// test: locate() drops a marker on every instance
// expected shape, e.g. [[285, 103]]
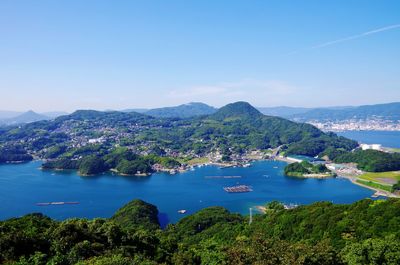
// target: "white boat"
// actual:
[[182, 211]]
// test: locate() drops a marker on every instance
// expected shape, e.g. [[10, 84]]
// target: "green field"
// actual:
[[396, 150], [375, 185], [381, 176], [195, 161]]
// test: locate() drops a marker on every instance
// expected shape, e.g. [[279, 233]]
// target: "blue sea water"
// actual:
[[24, 185], [385, 138]]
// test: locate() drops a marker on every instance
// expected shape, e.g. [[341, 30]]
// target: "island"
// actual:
[[305, 169]]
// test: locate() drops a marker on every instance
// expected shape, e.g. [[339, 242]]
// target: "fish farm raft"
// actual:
[[238, 189]]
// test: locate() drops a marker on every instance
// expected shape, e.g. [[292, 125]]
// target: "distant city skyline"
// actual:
[[69, 55]]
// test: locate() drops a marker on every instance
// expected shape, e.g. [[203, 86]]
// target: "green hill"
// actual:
[[365, 232], [233, 129], [237, 110]]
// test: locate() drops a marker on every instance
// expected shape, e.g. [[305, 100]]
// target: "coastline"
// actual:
[[377, 193]]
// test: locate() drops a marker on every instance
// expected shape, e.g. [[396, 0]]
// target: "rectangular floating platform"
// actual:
[[54, 203], [223, 177], [238, 189]]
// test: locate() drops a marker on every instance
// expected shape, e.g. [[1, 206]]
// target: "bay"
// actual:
[[24, 185]]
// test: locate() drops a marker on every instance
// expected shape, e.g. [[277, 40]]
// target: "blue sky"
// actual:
[[67, 55]]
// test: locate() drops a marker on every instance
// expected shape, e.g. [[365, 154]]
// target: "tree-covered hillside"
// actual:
[[365, 232], [371, 160], [231, 131]]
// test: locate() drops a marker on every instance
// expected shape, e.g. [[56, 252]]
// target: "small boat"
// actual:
[[275, 167], [182, 211]]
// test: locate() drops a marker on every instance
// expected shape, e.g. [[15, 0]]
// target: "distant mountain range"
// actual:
[[289, 112], [182, 111], [388, 111], [15, 118]]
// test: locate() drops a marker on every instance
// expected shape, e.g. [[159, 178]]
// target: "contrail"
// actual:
[[329, 43], [356, 36]]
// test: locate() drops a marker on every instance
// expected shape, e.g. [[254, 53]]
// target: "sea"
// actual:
[[385, 138], [22, 186]]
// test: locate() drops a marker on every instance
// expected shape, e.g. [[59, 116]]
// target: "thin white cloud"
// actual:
[[375, 31]]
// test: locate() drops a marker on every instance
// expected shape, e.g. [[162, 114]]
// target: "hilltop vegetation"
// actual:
[[121, 160], [305, 168], [14, 154], [371, 160], [365, 232]]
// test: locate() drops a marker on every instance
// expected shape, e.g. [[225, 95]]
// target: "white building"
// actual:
[[371, 146]]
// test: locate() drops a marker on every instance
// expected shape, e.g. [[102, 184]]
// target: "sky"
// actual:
[[68, 55]]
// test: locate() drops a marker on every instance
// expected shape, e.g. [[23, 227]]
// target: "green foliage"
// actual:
[[14, 154], [137, 214], [63, 163], [366, 232], [396, 186], [121, 159], [55, 151], [92, 165], [332, 153], [205, 219], [321, 145], [372, 251], [275, 206], [372, 160], [134, 167], [304, 167]]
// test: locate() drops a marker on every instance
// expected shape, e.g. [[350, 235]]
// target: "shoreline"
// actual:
[[377, 193]]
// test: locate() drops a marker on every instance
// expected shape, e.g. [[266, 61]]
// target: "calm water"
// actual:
[[22, 186], [385, 138]]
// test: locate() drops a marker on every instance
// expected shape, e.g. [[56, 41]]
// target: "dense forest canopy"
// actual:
[[365, 232], [299, 169], [371, 160]]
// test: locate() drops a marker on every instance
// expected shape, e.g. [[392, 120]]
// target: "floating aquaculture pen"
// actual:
[[238, 189]]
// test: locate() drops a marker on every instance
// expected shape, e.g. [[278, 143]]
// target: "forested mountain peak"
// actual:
[[94, 114], [235, 110], [191, 109]]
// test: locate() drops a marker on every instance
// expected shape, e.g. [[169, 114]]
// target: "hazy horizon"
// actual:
[[135, 108], [63, 56]]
